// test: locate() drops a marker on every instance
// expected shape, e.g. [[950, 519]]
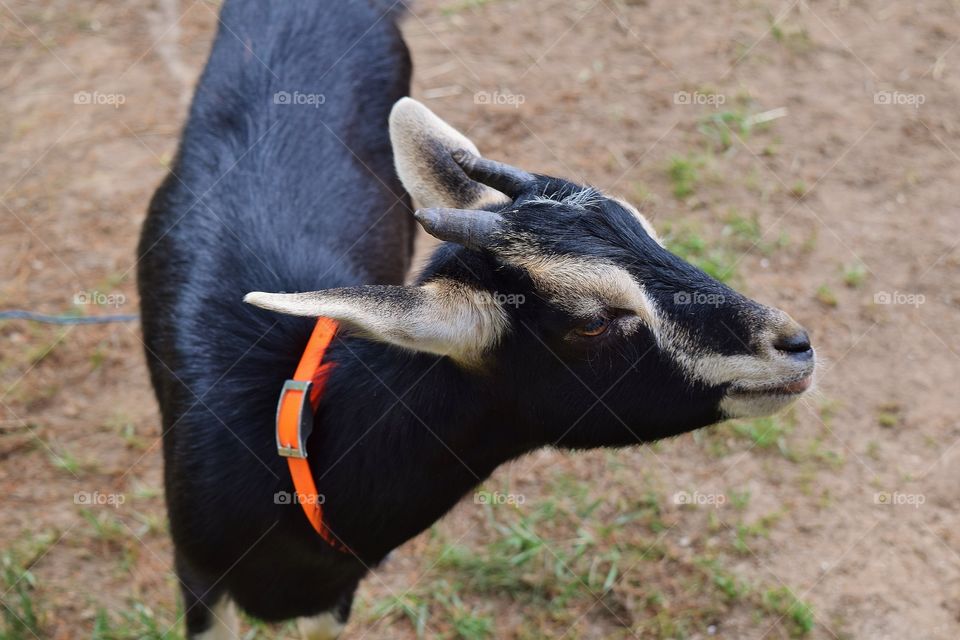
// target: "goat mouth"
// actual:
[[792, 388]]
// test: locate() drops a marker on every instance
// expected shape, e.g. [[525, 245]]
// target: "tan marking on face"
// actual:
[[758, 371], [585, 287]]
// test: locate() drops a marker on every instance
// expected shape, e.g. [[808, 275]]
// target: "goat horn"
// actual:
[[471, 228], [502, 177]]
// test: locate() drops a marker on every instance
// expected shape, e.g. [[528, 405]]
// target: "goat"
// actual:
[[611, 340]]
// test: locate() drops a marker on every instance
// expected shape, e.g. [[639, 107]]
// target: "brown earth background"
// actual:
[[805, 151]]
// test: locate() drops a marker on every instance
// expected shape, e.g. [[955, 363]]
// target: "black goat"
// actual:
[[552, 316]]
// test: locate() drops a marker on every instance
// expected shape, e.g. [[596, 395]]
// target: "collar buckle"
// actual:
[[294, 418]]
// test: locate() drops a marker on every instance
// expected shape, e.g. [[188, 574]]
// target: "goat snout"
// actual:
[[794, 344], [785, 339]]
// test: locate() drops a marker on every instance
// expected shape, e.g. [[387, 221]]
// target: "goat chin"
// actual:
[[758, 404]]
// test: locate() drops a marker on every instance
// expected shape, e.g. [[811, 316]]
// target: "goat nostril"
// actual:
[[797, 343]]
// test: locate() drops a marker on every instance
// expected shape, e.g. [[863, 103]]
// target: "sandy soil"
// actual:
[[852, 185]]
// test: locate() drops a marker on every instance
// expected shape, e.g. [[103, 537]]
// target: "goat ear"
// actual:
[[422, 148], [441, 317]]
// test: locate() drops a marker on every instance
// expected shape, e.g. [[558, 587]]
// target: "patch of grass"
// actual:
[[140, 622], [557, 557], [854, 275], [782, 601], [647, 510], [739, 499], [467, 624], [759, 529], [20, 616], [98, 355], [810, 242], [489, 572], [888, 415], [888, 420], [450, 611], [739, 120], [728, 584], [776, 31], [783, 241], [723, 127], [684, 175], [816, 451], [799, 189], [714, 441], [105, 527], [744, 233], [121, 424], [63, 459], [763, 432], [771, 149], [826, 296], [794, 39], [410, 606], [828, 409]]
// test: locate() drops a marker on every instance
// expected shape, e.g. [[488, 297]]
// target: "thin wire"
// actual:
[[19, 314]]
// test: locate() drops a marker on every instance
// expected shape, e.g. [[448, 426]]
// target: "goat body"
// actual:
[[552, 315]]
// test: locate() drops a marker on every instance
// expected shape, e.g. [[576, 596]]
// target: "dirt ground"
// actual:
[[807, 151]]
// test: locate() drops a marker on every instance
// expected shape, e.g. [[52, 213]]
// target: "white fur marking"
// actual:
[[584, 286], [324, 626], [225, 623], [582, 199]]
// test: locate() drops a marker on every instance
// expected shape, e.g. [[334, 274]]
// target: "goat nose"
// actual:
[[795, 345]]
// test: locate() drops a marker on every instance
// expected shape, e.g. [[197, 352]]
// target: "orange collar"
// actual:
[[295, 421]]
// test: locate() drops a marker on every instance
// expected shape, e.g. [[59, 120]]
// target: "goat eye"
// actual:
[[594, 327]]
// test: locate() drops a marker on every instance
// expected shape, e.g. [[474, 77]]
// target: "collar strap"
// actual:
[[299, 400]]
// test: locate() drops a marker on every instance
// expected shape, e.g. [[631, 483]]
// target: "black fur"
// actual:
[[273, 197]]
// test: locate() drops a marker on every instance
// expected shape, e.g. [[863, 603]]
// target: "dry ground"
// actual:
[[807, 151]]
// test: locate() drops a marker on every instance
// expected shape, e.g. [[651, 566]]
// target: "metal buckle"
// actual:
[[304, 424]]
